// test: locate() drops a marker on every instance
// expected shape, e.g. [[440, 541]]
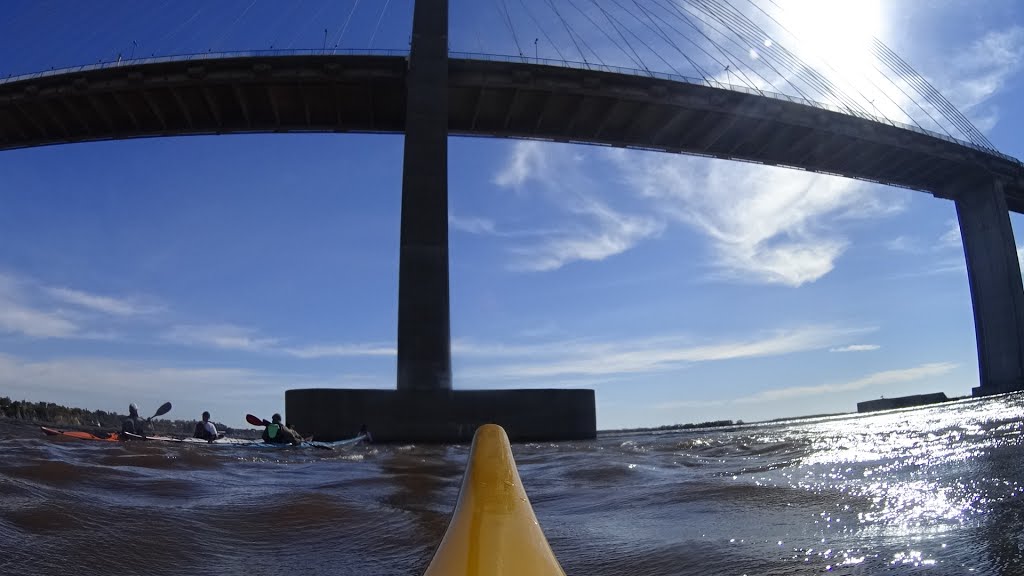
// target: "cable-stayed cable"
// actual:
[[615, 24], [713, 10], [733, 60], [542, 31], [661, 34], [379, 20], [876, 87], [508, 22], [644, 42], [950, 112], [803, 70], [794, 36], [603, 31], [344, 27], [569, 31]]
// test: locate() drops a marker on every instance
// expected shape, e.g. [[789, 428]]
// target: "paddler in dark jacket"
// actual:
[[205, 429], [133, 424], [277, 433]]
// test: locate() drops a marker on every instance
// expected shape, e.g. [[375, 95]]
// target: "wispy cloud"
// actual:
[[472, 225], [32, 309], [98, 303], [856, 348], [527, 161], [588, 358], [594, 230], [219, 336], [876, 379], [20, 315], [904, 243], [341, 351], [981, 70], [951, 237], [765, 224], [243, 339]]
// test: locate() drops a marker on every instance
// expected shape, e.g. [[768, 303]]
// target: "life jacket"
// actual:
[[273, 430]]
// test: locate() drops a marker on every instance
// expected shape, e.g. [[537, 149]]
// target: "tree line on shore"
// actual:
[[55, 414]]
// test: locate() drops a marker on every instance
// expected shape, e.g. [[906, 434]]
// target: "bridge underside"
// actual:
[[323, 93], [501, 99]]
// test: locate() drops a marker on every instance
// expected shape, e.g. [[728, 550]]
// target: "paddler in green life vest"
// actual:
[[277, 433]]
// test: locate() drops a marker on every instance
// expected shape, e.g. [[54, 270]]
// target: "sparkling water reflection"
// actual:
[[935, 490]]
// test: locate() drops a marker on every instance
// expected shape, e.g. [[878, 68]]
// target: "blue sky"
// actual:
[[216, 272]]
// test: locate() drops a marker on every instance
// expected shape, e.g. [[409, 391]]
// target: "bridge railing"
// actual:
[[204, 56], [512, 59]]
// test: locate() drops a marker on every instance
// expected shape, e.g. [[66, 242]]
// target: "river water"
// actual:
[[937, 490]]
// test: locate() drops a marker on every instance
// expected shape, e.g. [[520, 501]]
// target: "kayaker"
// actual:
[[205, 429], [277, 433], [133, 424]]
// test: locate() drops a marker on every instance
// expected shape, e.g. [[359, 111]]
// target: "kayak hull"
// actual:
[[493, 531], [111, 437], [248, 443]]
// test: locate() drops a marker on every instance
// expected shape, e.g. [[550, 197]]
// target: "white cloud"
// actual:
[[219, 336], [983, 68], [481, 226], [903, 244], [18, 315], [95, 302], [583, 358], [32, 309], [876, 379], [856, 348], [341, 350], [951, 237], [230, 337], [27, 321], [594, 229], [526, 162], [765, 224]]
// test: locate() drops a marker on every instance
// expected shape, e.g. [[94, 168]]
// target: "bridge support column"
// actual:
[[997, 292], [424, 338], [424, 408]]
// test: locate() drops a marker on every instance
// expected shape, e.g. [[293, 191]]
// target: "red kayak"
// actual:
[[106, 437]]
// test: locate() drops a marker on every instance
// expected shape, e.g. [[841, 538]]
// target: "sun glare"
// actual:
[[836, 31]]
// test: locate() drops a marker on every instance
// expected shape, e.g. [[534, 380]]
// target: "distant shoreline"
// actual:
[[720, 424]]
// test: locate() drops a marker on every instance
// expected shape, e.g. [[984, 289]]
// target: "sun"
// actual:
[[839, 32]]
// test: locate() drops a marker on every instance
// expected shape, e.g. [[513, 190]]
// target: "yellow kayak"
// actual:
[[493, 530]]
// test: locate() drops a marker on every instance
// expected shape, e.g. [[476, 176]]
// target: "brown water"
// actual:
[[930, 491]]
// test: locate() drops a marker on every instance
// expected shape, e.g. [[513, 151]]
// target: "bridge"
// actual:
[[429, 92]]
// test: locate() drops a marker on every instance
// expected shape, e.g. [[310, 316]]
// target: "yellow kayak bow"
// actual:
[[493, 531]]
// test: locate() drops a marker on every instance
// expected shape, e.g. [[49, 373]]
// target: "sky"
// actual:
[[217, 272]]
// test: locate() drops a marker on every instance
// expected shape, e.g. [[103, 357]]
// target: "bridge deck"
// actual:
[[324, 93]]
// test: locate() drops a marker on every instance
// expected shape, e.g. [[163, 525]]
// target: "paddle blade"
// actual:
[[254, 420], [163, 410]]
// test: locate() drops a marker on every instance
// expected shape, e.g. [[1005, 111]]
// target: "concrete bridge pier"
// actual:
[[997, 292], [424, 408]]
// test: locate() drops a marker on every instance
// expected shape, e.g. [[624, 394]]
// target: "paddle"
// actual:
[[164, 409], [255, 421]]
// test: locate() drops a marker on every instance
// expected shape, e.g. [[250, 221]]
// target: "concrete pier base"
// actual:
[[442, 416]]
